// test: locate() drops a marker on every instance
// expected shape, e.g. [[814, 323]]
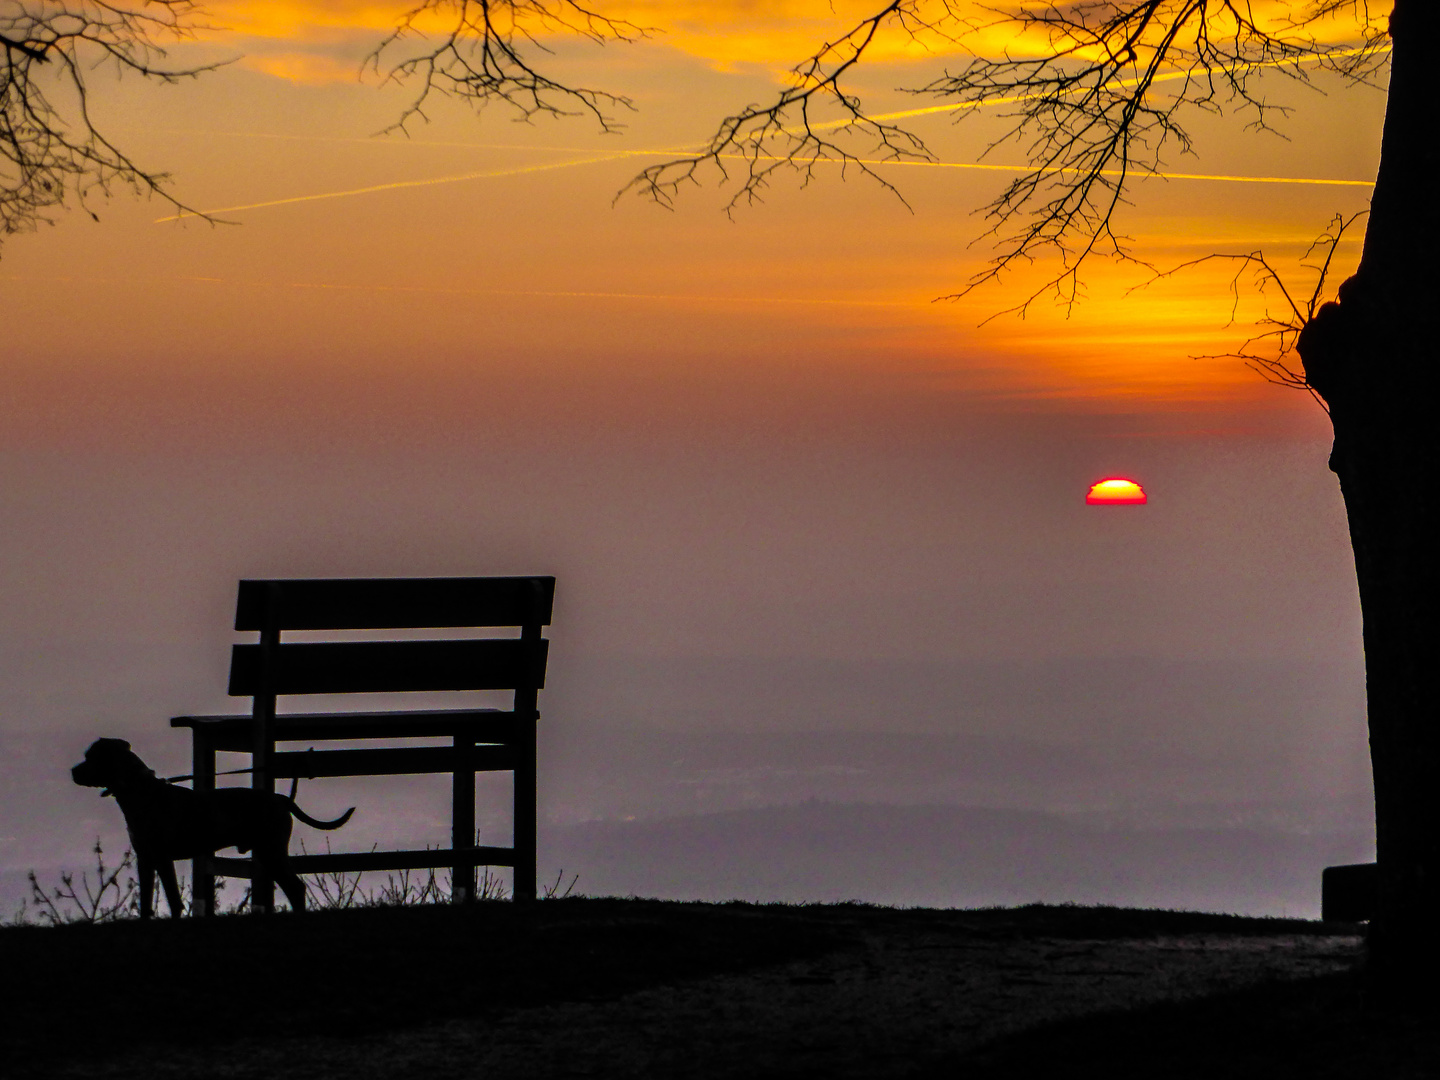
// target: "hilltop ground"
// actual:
[[635, 988]]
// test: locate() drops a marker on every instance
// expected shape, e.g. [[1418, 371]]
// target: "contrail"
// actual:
[[1133, 174], [491, 174], [685, 151], [905, 114], [616, 155], [483, 175]]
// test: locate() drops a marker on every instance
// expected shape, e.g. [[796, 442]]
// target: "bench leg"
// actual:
[[262, 736], [462, 826], [202, 873], [525, 869]]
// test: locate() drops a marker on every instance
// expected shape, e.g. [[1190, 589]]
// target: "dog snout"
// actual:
[[84, 775]]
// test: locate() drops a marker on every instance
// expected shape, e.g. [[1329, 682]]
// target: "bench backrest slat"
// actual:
[[360, 667], [392, 603]]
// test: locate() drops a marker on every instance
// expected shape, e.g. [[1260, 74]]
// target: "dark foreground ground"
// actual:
[[635, 988]]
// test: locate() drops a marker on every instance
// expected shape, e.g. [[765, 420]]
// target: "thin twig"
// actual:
[[1270, 352], [50, 147], [480, 54]]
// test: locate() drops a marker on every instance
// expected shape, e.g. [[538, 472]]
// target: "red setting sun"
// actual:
[[1115, 491]]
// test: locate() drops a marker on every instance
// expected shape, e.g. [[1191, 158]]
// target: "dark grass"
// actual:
[[78, 991], [1324, 1028], [1092, 923]]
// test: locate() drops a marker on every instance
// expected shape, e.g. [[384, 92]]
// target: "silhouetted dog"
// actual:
[[166, 822]]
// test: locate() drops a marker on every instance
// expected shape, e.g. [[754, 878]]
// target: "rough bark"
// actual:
[[1373, 357]]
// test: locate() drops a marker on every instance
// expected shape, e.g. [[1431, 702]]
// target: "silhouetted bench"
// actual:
[[482, 740]]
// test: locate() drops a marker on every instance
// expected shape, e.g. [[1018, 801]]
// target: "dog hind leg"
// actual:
[[291, 885]]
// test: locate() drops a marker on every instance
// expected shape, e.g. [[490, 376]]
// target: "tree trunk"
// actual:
[[1373, 358]]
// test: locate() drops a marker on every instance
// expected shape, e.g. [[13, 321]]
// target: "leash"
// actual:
[[233, 772], [191, 776]]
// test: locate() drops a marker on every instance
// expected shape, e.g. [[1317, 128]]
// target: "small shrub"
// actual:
[[552, 891], [116, 892], [405, 888], [114, 895]]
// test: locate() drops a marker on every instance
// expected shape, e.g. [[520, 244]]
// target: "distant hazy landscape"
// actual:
[[1207, 786]]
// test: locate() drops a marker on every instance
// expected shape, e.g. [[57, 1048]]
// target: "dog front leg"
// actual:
[[146, 870], [172, 887]]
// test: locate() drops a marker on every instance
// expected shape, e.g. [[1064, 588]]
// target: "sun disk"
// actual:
[[1115, 491]]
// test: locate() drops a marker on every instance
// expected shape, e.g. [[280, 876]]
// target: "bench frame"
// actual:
[[482, 740]]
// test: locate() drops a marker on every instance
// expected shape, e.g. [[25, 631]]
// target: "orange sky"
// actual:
[[481, 241], [470, 299], [722, 33]]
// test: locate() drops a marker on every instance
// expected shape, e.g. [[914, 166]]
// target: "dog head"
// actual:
[[109, 764]]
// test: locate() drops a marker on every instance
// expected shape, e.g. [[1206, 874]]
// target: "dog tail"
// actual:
[[316, 823]]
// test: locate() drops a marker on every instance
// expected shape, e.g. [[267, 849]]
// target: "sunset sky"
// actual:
[[787, 493]]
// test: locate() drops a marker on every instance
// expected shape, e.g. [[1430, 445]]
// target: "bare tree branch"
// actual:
[[1098, 104], [478, 54], [1108, 98], [1269, 352], [50, 148], [790, 133]]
